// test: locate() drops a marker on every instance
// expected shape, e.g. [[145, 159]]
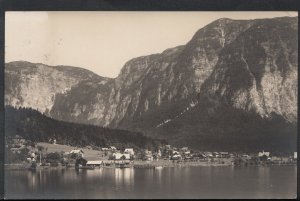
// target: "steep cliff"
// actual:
[[152, 83], [259, 70], [249, 102], [36, 85]]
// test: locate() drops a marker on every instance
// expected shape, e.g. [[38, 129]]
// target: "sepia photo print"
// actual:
[[147, 105]]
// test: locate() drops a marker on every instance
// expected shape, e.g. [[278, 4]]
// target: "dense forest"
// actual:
[[34, 126]]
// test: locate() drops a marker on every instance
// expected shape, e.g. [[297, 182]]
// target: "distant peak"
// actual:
[[225, 19]]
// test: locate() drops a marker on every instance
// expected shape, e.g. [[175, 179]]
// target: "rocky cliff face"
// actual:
[[249, 66], [36, 85], [249, 101], [259, 70], [149, 83]]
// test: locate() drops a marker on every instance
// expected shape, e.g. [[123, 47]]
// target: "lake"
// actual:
[[168, 182]]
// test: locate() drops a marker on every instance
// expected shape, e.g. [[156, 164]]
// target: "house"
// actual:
[[122, 163], [104, 149], [176, 157], [175, 152], [107, 162], [129, 151], [79, 152], [17, 139], [216, 154], [245, 156], [94, 163], [159, 154], [275, 158], [148, 152], [32, 155], [224, 154], [209, 154], [198, 155], [119, 156], [184, 149], [113, 148], [263, 153], [149, 156]]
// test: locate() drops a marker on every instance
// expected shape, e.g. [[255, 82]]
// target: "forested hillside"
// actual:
[[36, 127]]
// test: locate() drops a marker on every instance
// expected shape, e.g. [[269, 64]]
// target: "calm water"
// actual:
[[171, 182]]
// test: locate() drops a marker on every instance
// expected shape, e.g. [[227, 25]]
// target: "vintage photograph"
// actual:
[[148, 105]]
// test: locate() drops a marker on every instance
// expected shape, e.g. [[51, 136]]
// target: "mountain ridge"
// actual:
[[239, 64]]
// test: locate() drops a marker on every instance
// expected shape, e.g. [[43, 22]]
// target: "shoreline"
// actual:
[[146, 165]]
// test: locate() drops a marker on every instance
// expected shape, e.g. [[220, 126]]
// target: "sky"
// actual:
[[103, 41]]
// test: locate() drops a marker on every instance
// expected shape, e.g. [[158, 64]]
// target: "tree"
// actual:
[[73, 155], [53, 157]]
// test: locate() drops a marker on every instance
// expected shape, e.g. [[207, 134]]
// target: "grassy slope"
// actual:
[[89, 154]]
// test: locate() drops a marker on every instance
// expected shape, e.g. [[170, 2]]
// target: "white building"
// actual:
[[32, 155], [184, 149], [94, 163], [263, 153], [149, 155], [176, 157], [119, 156], [159, 154], [113, 148], [295, 155], [129, 151], [77, 151], [175, 152]]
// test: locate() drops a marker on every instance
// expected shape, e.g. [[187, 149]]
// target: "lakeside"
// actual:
[[147, 164], [134, 164], [58, 156]]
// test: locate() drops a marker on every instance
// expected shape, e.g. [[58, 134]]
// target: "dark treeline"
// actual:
[[34, 126], [229, 129]]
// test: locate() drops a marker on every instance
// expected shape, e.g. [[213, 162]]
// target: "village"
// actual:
[[25, 154]]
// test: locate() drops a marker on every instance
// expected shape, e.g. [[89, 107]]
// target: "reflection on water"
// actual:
[[32, 180], [124, 176], [177, 182], [159, 175]]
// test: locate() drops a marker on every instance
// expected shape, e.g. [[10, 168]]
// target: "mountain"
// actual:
[[34, 126], [36, 85], [150, 83], [232, 79], [249, 101]]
